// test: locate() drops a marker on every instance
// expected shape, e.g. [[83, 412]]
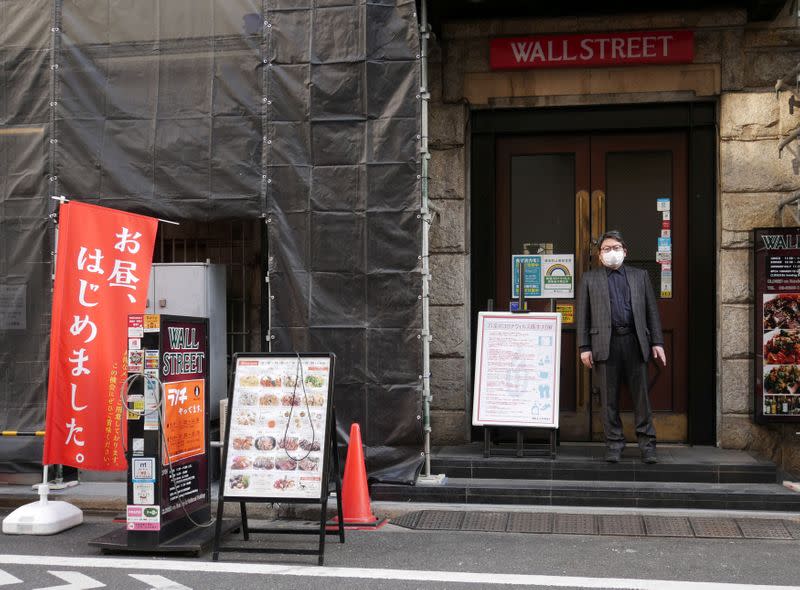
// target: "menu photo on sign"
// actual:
[[279, 413], [517, 370], [777, 324]]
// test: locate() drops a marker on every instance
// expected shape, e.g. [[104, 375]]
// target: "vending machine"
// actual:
[[167, 428]]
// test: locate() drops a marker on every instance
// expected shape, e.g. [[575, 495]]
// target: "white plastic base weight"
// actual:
[[438, 479], [42, 517]]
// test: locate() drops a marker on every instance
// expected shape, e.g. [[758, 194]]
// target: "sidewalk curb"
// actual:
[[115, 504]]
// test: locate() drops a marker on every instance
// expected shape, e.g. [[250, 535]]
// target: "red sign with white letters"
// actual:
[[594, 50], [102, 268]]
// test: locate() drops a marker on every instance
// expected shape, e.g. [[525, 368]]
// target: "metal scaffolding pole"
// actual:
[[426, 477]]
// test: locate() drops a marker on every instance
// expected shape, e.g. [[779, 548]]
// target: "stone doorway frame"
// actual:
[[699, 120]]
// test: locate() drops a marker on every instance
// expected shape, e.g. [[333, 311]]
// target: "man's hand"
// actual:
[[658, 353], [586, 359]]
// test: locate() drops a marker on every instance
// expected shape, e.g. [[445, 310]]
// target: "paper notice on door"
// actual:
[[665, 215], [567, 311], [666, 282], [663, 204]]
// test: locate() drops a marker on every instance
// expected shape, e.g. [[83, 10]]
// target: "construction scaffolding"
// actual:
[[303, 115]]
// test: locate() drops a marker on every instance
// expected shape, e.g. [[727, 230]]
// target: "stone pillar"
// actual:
[[449, 309]]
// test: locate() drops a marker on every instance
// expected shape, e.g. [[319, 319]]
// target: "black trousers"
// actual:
[[625, 364]]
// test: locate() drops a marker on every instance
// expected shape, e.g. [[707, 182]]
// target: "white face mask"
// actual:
[[613, 259]]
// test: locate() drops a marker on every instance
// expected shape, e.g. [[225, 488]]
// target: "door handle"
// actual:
[[598, 216], [583, 256]]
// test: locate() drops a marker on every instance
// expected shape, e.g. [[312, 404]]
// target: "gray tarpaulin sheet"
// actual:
[[304, 113]]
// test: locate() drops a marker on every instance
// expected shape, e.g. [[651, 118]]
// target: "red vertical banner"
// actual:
[[102, 268]]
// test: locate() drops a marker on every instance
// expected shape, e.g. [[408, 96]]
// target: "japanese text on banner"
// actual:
[[102, 268]]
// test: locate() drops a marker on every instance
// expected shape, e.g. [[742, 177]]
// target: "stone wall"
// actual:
[[745, 60], [752, 182], [449, 263]]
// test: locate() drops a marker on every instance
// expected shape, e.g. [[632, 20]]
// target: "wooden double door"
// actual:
[[560, 193]]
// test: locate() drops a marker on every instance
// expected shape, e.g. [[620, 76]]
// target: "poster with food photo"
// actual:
[[777, 324], [278, 423], [780, 357]]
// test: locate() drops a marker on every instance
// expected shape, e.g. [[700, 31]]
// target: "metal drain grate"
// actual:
[[793, 527], [717, 528], [667, 526], [485, 521], [524, 522], [408, 521], [763, 529], [628, 525], [440, 520], [632, 525], [574, 524]]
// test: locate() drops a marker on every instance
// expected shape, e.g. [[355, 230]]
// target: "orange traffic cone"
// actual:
[[356, 508]]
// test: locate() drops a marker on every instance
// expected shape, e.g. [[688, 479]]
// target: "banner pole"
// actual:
[[62, 199]]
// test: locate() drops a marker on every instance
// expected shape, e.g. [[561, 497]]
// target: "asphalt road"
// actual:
[[396, 558]]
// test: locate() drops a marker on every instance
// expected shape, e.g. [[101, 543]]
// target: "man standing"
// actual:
[[618, 329]]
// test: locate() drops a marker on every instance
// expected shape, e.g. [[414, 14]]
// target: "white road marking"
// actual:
[[6, 579], [484, 578], [75, 580], [159, 582]]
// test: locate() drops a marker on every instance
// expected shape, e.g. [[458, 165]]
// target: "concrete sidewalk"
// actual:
[[109, 498]]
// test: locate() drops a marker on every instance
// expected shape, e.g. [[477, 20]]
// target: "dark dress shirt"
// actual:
[[619, 292]]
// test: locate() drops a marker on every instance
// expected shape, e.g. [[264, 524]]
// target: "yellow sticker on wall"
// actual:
[[567, 311]]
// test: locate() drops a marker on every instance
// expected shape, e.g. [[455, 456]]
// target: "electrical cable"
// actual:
[[299, 375]]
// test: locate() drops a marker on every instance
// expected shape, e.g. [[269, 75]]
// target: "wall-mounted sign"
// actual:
[[517, 369], [547, 276], [776, 326], [593, 50]]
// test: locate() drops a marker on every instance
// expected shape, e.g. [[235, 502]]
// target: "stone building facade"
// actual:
[[736, 65]]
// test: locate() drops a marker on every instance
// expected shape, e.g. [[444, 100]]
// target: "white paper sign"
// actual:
[[278, 421], [517, 369], [13, 310], [144, 493]]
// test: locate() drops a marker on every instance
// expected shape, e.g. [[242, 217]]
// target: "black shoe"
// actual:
[[649, 456], [613, 456]]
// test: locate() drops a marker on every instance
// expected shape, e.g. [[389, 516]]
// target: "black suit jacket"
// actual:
[[594, 312]]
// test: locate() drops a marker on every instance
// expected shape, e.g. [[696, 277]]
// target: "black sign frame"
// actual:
[[330, 467], [776, 277]]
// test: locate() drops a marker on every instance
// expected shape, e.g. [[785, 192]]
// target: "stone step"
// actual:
[[631, 494], [586, 463]]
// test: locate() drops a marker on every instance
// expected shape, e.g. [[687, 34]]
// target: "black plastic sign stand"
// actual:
[[547, 449], [330, 469]]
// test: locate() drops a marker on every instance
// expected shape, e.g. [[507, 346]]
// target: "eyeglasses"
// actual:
[[607, 249]]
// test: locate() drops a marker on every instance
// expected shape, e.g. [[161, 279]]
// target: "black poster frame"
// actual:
[[784, 243], [330, 465]]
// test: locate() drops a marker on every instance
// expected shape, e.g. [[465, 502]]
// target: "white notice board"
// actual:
[[278, 427], [517, 365]]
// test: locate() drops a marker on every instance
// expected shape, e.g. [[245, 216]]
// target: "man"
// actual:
[[618, 330]]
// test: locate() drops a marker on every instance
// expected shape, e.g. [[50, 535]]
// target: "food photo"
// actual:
[[265, 443], [240, 462], [781, 379], [239, 482], [782, 311], [782, 347]]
